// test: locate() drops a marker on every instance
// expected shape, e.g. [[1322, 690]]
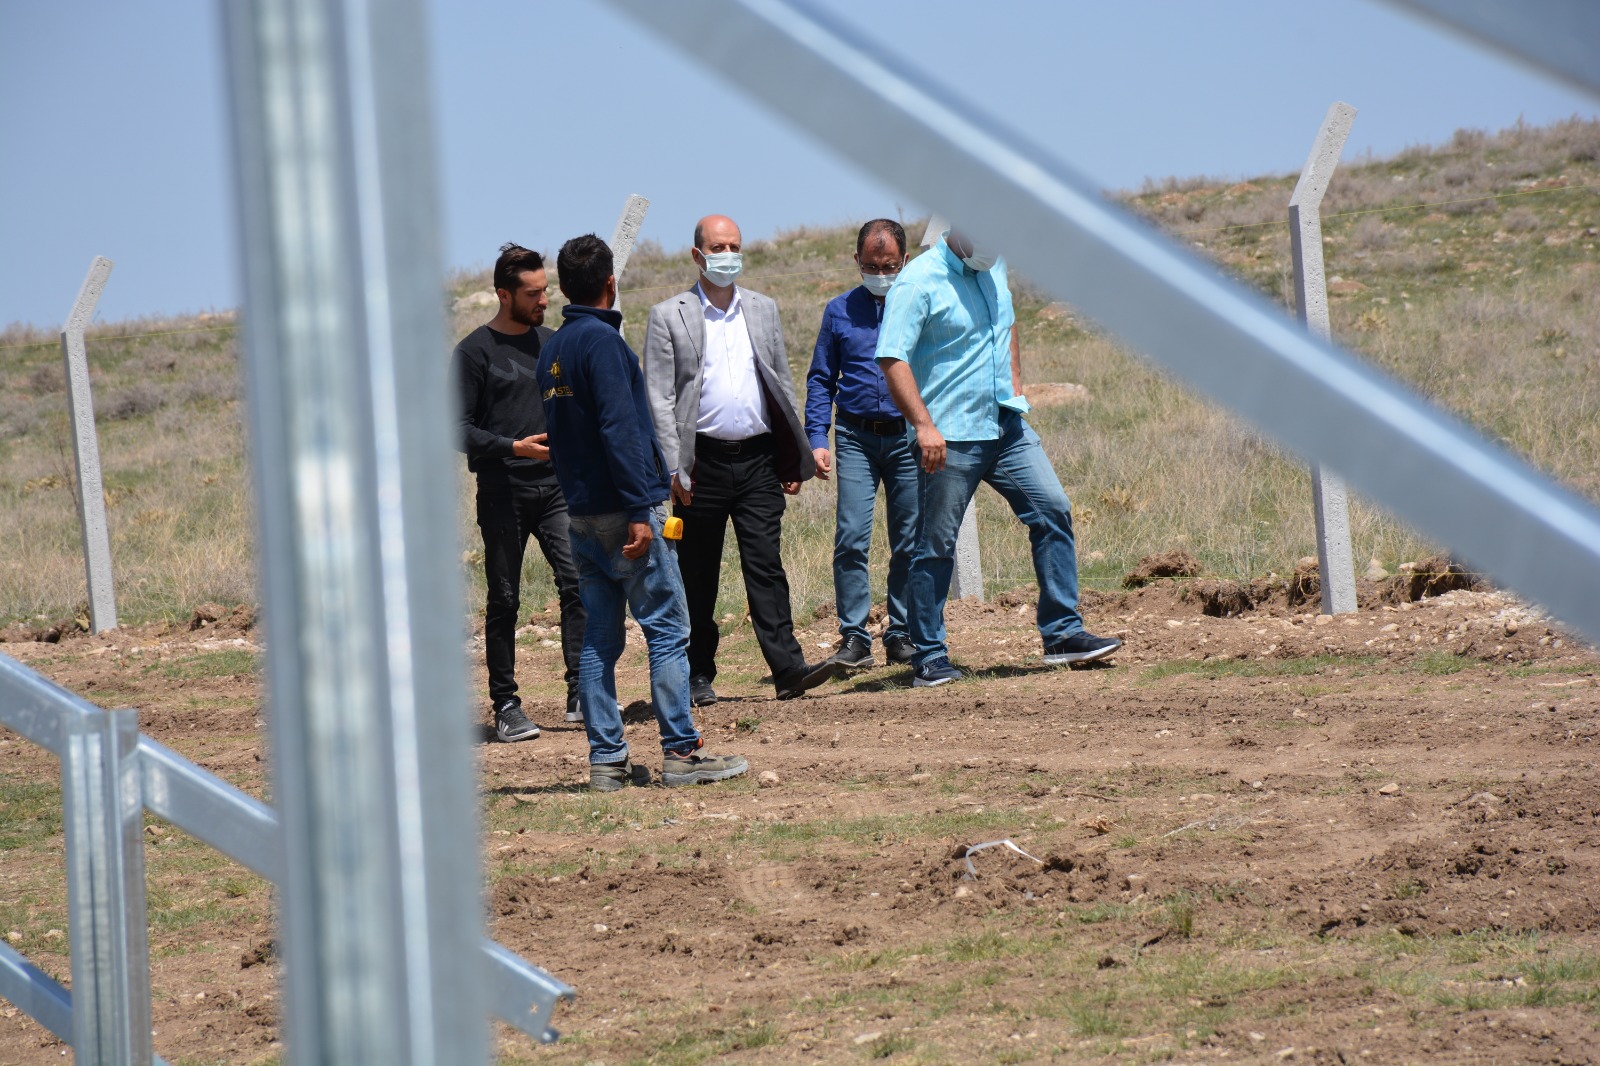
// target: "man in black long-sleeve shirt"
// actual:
[[503, 434]]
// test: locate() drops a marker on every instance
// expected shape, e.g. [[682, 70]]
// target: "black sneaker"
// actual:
[[804, 677], [701, 694], [574, 708], [936, 672], [511, 724], [899, 649], [855, 653], [1080, 648]]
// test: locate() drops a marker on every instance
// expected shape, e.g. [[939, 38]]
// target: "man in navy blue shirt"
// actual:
[[870, 446], [615, 479]]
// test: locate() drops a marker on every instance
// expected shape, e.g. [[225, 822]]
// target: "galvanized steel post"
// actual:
[[967, 577], [1335, 565], [345, 355], [103, 816], [86, 450]]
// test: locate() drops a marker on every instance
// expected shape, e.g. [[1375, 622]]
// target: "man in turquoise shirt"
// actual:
[[949, 352]]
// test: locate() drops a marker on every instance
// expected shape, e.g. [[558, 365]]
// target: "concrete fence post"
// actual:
[[1335, 563], [103, 816], [967, 578], [86, 450], [628, 225]]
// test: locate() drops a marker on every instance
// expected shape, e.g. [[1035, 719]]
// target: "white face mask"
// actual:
[[721, 268], [878, 284], [980, 261]]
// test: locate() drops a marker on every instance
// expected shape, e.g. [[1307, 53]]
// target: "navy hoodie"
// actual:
[[602, 439]]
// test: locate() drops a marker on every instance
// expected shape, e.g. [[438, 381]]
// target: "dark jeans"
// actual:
[[507, 514], [743, 488]]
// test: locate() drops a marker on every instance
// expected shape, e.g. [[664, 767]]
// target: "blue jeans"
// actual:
[[862, 460], [610, 584], [1017, 468]]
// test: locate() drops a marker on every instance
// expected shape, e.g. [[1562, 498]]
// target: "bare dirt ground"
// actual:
[[1264, 838]]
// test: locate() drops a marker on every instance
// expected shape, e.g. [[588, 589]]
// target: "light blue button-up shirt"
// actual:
[[952, 325]]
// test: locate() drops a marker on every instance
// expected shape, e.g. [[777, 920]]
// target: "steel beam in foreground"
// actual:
[[381, 916], [1560, 37], [1212, 331]]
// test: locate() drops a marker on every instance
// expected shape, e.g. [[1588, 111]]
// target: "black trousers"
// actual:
[[742, 487], [507, 515]]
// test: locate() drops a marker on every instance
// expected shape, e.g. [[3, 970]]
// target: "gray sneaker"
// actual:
[[574, 708], [616, 776], [700, 769]]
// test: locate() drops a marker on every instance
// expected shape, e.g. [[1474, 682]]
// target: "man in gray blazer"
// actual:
[[723, 403]]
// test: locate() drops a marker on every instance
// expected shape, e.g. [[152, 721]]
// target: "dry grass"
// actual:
[[1474, 272]]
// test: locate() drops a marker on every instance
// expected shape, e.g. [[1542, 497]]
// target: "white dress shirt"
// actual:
[[732, 405]]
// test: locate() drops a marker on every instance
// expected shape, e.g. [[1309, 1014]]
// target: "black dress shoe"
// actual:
[[854, 653], [804, 677], [701, 693], [899, 649]]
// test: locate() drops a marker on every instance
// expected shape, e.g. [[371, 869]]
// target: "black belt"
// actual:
[[883, 427], [761, 442]]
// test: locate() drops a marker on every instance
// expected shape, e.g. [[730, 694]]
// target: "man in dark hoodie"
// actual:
[[616, 483], [502, 432]]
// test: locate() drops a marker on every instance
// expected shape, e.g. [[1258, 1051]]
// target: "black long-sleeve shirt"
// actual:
[[496, 375]]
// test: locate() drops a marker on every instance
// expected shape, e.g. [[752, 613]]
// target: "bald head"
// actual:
[[717, 233]]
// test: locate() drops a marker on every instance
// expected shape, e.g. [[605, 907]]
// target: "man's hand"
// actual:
[[533, 447], [681, 494], [791, 488], [930, 442], [639, 537], [824, 462]]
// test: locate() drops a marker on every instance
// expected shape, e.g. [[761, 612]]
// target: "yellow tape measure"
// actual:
[[672, 528]]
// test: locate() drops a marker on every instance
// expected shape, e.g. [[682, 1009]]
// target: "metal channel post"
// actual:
[[104, 819], [1160, 299], [86, 449], [967, 577], [381, 915], [1330, 501]]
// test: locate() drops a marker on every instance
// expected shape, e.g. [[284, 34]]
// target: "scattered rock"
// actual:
[[1167, 564], [474, 300], [1375, 571], [1391, 789], [867, 1038], [768, 779]]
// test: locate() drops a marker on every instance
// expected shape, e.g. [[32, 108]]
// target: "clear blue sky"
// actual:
[[112, 137]]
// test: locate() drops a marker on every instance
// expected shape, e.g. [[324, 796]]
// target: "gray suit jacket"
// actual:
[[674, 356]]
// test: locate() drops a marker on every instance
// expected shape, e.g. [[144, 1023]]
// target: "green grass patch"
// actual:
[[1218, 668], [227, 662], [30, 813]]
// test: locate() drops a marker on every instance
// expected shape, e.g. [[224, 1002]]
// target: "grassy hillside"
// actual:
[[1468, 269]]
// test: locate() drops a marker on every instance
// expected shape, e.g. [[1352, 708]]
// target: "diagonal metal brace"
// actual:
[[1225, 340]]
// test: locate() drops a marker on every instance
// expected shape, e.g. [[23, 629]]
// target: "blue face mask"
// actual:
[[980, 261], [721, 268], [878, 284]]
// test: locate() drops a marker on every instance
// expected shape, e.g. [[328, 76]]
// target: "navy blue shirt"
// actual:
[[844, 368], [602, 441]]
